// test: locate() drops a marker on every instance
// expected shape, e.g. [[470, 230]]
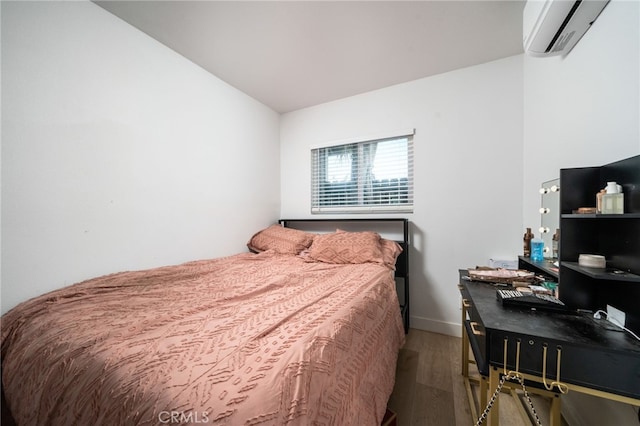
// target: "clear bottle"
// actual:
[[528, 236]]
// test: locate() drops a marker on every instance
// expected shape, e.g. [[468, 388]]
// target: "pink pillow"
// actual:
[[280, 239], [347, 247], [390, 252]]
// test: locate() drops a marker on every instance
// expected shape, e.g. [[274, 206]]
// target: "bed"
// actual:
[[305, 328]]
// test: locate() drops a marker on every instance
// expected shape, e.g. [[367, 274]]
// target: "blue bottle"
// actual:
[[537, 250]]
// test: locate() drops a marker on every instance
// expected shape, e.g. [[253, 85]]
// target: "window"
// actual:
[[369, 176]]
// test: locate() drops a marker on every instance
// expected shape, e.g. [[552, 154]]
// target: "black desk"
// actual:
[[591, 356]]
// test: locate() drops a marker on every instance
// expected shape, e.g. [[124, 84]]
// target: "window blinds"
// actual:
[[368, 176]]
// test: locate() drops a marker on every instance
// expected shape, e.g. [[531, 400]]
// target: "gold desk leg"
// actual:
[[472, 404], [494, 381], [483, 394], [465, 348], [465, 363], [555, 417]]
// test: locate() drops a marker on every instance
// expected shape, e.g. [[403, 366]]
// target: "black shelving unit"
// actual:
[[615, 236]]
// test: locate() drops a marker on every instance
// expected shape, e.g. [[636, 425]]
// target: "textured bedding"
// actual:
[[248, 339]]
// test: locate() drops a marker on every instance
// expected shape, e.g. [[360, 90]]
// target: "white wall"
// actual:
[[117, 153], [584, 110], [468, 171]]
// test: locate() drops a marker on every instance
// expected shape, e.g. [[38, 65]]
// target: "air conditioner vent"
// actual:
[[553, 27]]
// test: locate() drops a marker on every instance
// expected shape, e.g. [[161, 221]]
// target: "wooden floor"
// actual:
[[430, 389]]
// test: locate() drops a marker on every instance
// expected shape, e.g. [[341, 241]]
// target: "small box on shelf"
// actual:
[[502, 263]]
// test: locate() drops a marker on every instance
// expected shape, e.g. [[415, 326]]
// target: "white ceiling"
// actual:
[[294, 54]]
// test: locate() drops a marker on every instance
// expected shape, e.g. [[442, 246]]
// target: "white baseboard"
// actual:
[[436, 326]]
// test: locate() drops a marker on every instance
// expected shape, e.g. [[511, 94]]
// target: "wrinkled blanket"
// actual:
[[242, 340]]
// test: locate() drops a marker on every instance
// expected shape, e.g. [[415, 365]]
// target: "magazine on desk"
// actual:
[[513, 277]]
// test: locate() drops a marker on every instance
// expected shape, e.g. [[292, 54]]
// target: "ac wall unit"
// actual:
[[553, 27]]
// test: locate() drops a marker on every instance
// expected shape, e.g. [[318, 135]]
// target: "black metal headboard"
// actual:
[[398, 227]]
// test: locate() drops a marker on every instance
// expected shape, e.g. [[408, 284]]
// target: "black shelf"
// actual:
[[545, 267], [601, 216], [603, 274]]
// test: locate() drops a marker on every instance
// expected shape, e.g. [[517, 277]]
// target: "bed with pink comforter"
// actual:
[[256, 338]]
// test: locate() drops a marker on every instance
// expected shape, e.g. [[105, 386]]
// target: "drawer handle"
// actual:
[[466, 304], [474, 329], [561, 386]]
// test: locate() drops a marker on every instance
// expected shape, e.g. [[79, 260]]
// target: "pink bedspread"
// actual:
[[247, 339]]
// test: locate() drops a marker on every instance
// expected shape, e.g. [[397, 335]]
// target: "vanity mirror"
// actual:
[[550, 216]]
